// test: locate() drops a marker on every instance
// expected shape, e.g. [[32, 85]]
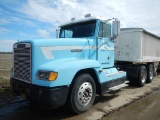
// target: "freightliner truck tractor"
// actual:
[[71, 69]]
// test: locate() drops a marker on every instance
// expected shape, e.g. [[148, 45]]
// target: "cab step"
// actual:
[[119, 86]]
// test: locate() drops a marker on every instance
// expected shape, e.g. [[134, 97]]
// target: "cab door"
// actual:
[[105, 45]]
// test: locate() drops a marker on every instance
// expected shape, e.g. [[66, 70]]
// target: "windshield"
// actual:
[[85, 29]]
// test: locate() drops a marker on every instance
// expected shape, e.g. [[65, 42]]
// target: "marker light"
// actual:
[[87, 15], [53, 76], [72, 19]]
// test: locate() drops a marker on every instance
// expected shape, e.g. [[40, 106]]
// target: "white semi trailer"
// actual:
[[137, 51]]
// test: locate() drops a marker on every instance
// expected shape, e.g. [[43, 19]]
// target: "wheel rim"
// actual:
[[85, 93], [143, 76], [151, 73]]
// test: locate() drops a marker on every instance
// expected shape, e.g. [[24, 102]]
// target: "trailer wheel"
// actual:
[[82, 94], [150, 73], [142, 76]]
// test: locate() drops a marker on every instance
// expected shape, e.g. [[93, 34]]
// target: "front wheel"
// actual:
[[82, 94], [142, 76]]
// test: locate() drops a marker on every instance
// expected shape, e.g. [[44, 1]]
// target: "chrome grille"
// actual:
[[22, 61]]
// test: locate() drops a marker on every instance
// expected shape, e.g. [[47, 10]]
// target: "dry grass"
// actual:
[[5, 61], [5, 67]]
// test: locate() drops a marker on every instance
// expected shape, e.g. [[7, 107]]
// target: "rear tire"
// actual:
[[82, 94], [150, 73], [142, 76]]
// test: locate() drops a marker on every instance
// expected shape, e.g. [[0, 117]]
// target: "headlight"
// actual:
[[45, 75]]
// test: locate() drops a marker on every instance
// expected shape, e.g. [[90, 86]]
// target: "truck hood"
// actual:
[[46, 50], [60, 54], [58, 42]]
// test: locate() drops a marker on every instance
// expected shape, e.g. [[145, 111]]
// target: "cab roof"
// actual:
[[83, 20]]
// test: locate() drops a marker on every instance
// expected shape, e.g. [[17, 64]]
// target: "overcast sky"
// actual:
[[32, 19]]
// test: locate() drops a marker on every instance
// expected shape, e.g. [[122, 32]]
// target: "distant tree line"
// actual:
[[6, 52]]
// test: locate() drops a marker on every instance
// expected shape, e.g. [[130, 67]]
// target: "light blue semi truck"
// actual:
[[70, 69]]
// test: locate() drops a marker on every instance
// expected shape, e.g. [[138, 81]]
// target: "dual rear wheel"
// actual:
[[150, 75], [145, 75]]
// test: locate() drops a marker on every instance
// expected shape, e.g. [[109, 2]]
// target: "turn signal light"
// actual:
[[53, 76]]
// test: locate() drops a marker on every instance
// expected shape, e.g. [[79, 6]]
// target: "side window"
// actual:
[[66, 33], [100, 34], [61, 35], [104, 30]]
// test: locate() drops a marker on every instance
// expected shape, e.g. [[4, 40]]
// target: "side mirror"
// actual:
[[116, 28], [57, 33]]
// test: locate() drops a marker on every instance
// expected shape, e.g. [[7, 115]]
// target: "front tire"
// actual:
[[142, 76], [82, 94]]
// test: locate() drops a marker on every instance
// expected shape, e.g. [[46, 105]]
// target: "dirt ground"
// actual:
[[147, 108], [124, 104]]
